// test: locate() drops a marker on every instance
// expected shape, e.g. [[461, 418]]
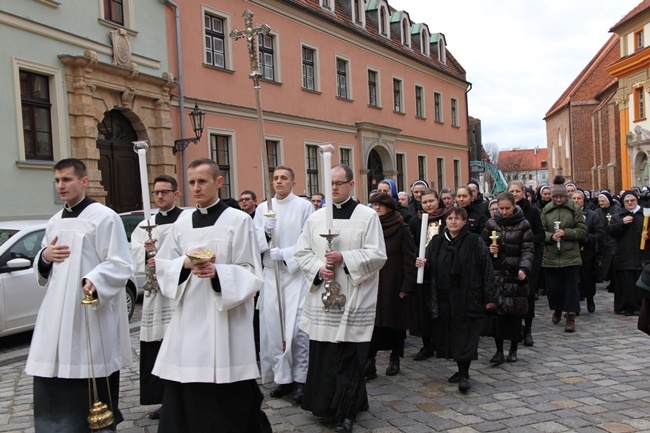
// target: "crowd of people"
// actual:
[[307, 295]]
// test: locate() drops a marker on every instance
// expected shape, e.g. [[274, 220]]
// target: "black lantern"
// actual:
[[197, 117]]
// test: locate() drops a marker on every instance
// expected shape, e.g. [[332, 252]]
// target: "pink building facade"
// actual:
[[378, 85]]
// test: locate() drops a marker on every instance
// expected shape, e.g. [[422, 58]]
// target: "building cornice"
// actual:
[[630, 64]]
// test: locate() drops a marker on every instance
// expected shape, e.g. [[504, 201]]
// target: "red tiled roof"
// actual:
[[525, 158], [593, 64], [645, 4], [343, 19]]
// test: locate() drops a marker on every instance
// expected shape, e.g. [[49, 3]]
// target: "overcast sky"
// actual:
[[520, 55]]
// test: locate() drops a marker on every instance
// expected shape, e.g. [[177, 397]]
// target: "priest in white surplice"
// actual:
[[339, 340], [287, 368], [157, 310], [208, 353], [86, 252]]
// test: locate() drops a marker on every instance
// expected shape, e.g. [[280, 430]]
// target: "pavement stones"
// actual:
[[594, 380]]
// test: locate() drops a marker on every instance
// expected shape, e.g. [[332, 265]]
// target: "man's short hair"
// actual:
[[320, 194], [349, 174], [167, 178], [287, 168], [214, 168], [249, 192], [79, 167]]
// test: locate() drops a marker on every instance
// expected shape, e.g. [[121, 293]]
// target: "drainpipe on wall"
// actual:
[[181, 103]]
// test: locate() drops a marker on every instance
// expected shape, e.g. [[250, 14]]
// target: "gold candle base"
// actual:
[[201, 256]]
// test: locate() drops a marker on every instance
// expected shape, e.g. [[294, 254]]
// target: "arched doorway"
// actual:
[[118, 162], [375, 170]]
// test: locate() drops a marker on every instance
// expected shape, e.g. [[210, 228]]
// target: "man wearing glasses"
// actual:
[[157, 310], [248, 202], [339, 338]]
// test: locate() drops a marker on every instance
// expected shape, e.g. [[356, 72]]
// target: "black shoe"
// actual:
[[455, 378], [512, 356], [628, 313], [298, 393], [344, 426], [424, 353], [557, 316], [393, 367], [464, 385], [498, 358], [370, 371], [155, 414], [282, 390], [591, 306], [528, 338]]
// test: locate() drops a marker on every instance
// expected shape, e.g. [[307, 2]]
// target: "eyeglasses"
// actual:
[[161, 192], [339, 183], [245, 199]]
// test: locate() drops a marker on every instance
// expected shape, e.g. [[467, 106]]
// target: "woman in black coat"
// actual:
[[607, 208], [533, 215], [627, 228], [462, 288], [476, 214], [514, 253], [588, 248], [396, 286]]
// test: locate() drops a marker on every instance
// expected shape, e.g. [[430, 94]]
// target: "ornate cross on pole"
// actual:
[[251, 34]]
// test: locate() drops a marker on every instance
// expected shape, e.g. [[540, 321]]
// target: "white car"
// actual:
[[20, 294]]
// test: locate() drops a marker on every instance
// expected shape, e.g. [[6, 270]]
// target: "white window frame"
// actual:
[[280, 141], [405, 30], [129, 16], [57, 111], [441, 175], [234, 176], [456, 163], [401, 80], [319, 167], [455, 115], [350, 148], [425, 46], [404, 173], [442, 51], [328, 5], [423, 102], [227, 43], [348, 75], [378, 86], [277, 70], [426, 166], [384, 25], [314, 48], [359, 21], [442, 107]]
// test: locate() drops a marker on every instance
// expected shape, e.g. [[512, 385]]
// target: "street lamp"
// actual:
[[197, 116]]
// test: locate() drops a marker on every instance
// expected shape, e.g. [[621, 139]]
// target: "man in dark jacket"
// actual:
[[564, 227]]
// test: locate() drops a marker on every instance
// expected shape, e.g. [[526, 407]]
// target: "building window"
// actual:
[[454, 112], [437, 105], [215, 46], [401, 171], [220, 153], [442, 51], [312, 170], [272, 155], [419, 105], [425, 48], [406, 33], [384, 30], [639, 103], [341, 78], [345, 156], [422, 167], [397, 95], [440, 168], [326, 4], [456, 174], [358, 10], [36, 110], [638, 40], [308, 68], [372, 88], [266, 55], [114, 11]]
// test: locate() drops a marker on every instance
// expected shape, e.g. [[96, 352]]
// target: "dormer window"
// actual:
[[358, 12], [326, 4], [384, 28], [424, 42], [406, 32], [442, 51]]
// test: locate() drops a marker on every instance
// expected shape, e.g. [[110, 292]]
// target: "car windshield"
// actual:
[[5, 234]]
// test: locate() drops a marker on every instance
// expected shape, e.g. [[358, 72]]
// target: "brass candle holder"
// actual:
[[332, 296], [151, 284]]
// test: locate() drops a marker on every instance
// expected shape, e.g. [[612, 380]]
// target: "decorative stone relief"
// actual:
[[637, 136], [121, 48], [127, 96]]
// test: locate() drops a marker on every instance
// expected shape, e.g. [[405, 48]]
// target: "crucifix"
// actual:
[[251, 34]]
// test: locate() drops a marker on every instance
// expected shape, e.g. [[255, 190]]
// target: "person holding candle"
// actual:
[[461, 279], [422, 323], [85, 252], [564, 227], [157, 310], [340, 338], [627, 228], [607, 208], [512, 259], [396, 287]]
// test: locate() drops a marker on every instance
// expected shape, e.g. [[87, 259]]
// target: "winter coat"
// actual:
[[573, 224], [595, 230], [606, 242], [629, 256], [476, 218], [516, 252], [398, 274]]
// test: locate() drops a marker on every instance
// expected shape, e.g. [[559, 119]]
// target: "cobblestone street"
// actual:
[[594, 380]]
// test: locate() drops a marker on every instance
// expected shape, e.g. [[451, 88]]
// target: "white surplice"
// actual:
[[210, 337], [291, 365], [361, 242], [100, 253]]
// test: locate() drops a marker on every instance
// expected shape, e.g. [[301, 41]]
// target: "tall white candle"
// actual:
[[326, 151], [140, 148], [423, 244], [557, 227]]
